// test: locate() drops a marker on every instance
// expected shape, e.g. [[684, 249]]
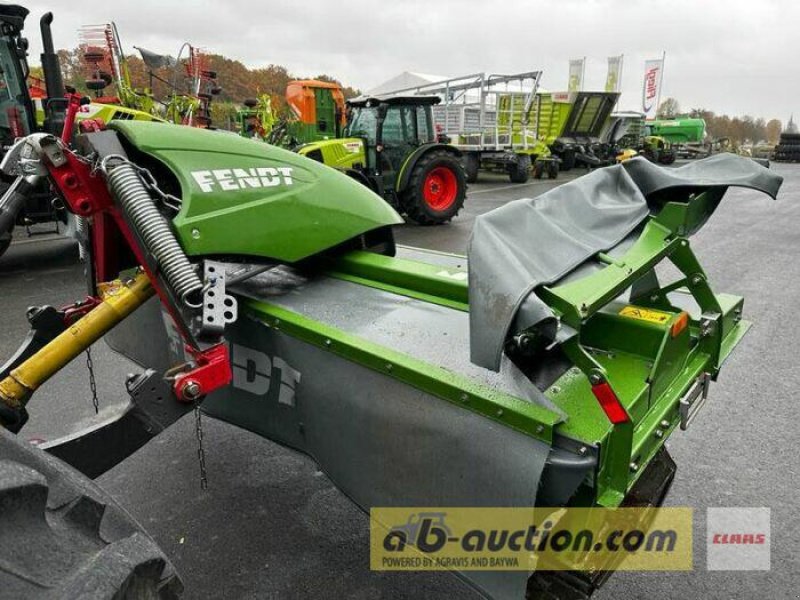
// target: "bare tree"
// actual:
[[669, 109]]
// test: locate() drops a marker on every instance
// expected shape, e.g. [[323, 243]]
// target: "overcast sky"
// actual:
[[735, 57]]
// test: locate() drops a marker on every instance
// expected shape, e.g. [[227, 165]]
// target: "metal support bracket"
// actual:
[[219, 308], [693, 400]]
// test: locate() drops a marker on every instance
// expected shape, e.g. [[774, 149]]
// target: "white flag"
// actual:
[[614, 77], [651, 90], [576, 68]]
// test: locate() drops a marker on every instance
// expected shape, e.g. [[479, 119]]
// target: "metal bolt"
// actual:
[[665, 424], [464, 398], [595, 378], [327, 342], [697, 280], [634, 467], [191, 390], [196, 234], [654, 298], [388, 366], [658, 433], [540, 429], [583, 450], [500, 412], [555, 389]]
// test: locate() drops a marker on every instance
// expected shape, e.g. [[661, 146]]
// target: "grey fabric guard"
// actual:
[[530, 242]]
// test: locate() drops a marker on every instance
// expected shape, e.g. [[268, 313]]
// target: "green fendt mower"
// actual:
[[389, 145], [547, 368]]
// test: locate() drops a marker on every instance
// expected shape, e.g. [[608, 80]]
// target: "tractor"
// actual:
[[389, 145], [23, 112]]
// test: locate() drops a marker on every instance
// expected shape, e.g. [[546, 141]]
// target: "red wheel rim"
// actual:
[[440, 188]]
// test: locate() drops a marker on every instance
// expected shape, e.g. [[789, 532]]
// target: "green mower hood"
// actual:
[[247, 198]]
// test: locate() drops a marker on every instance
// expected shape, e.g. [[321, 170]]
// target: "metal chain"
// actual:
[[201, 453], [92, 381]]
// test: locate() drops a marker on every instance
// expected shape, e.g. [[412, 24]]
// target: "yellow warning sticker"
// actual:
[[646, 314]]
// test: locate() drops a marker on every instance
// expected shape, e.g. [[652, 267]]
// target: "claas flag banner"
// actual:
[[651, 88]]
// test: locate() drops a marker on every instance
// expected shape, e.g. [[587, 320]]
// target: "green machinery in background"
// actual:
[[22, 114], [315, 110], [628, 134], [571, 124], [491, 120], [679, 131], [390, 145]]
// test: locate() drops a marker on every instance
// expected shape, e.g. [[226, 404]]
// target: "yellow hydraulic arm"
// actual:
[[119, 300]]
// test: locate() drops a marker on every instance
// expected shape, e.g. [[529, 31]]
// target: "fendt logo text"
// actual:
[[230, 180]]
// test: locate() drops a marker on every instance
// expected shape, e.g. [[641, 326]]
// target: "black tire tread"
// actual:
[[62, 537], [520, 170]]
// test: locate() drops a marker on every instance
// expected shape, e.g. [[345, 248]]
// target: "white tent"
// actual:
[[406, 79]]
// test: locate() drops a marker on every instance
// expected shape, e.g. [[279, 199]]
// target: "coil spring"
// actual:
[[129, 190]]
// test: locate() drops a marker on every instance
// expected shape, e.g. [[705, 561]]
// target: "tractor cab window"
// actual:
[[14, 117], [363, 124], [424, 127]]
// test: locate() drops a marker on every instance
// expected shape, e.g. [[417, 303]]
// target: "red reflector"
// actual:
[[610, 403]]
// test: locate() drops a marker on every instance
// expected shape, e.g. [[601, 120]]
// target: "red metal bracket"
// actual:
[[73, 312], [73, 108], [212, 372]]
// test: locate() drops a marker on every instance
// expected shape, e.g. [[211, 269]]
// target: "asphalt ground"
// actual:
[[271, 525]]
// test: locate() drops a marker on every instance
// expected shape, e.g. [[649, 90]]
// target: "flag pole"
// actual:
[[661, 80]]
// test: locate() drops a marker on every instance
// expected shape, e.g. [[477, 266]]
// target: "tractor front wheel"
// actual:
[[667, 158], [436, 190], [63, 537]]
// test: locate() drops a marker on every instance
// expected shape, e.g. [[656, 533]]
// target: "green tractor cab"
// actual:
[[389, 145]]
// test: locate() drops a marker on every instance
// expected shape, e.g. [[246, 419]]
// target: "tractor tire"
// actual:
[[62, 537], [552, 170], [5, 240], [567, 160], [472, 164], [667, 158], [538, 170], [436, 190], [520, 171]]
